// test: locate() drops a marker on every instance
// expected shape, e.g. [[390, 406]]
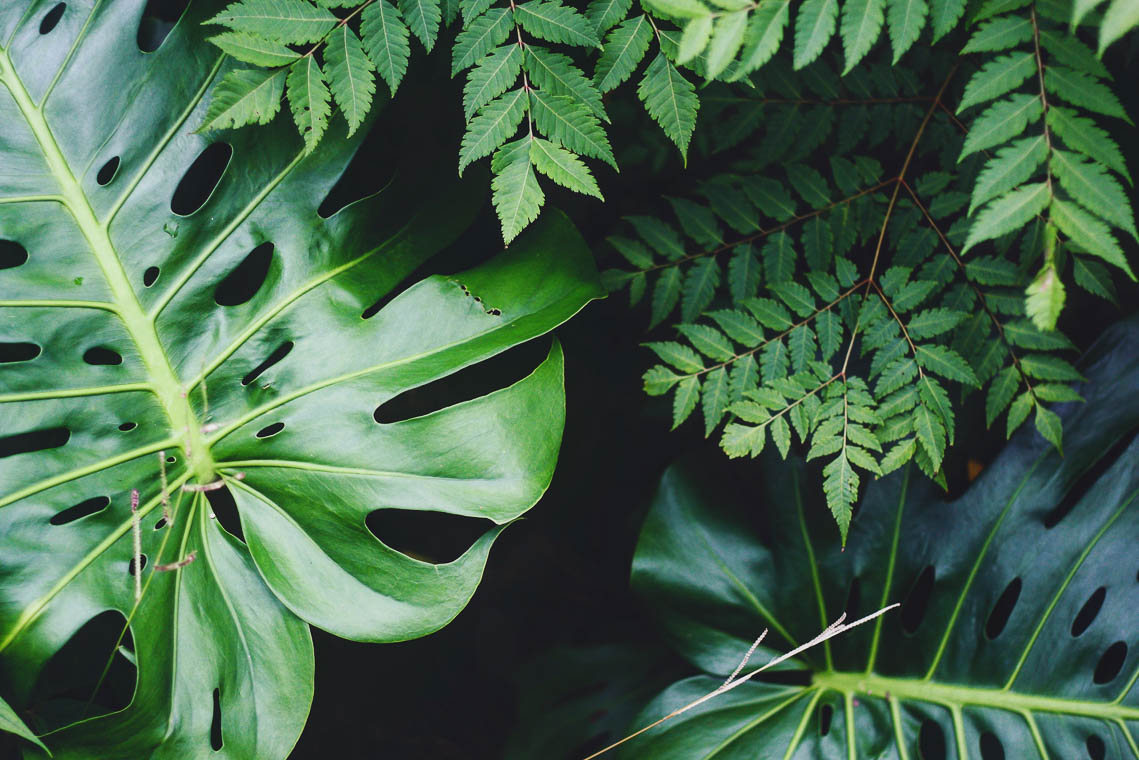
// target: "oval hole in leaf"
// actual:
[[246, 279], [35, 440], [149, 276], [1110, 663], [18, 352], [160, 524], [101, 355], [826, 715], [434, 537], [991, 747], [82, 509], [171, 459], [215, 723], [270, 430], [279, 353], [469, 383], [931, 741], [12, 254], [913, 609], [1087, 614], [132, 569], [1087, 480], [157, 20], [107, 171], [66, 683], [52, 17], [126, 427], [360, 179], [225, 511], [1002, 610], [200, 179], [1097, 750]]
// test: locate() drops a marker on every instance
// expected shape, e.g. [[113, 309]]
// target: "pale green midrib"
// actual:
[[135, 320], [952, 695], [99, 390]]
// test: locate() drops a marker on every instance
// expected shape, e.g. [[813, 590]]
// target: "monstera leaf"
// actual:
[[1016, 637], [134, 362]]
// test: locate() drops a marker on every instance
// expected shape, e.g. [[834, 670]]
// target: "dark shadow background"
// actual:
[[559, 576]]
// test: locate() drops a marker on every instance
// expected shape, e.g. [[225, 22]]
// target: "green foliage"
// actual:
[[836, 310], [968, 659], [1035, 177], [271, 396]]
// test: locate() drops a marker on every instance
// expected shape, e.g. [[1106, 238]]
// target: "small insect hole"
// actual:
[[1002, 610], [12, 254], [1110, 663], [52, 17], [171, 459], [149, 276], [1088, 612], [270, 430], [1097, 750], [931, 741], [126, 427], [142, 565], [102, 356], [107, 171], [160, 524]]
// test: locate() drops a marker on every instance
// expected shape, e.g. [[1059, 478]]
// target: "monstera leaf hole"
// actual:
[[201, 179], [243, 282], [1110, 663], [157, 20], [80, 510], [991, 747], [1088, 479], [72, 685], [1002, 610], [215, 723], [931, 741], [34, 440], [18, 352], [224, 510], [279, 353], [433, 537], [52, 17], [1097, 750], [469, 383], [102, 356], [149, 276], [12, 254], [1088, 612], [107, 171]]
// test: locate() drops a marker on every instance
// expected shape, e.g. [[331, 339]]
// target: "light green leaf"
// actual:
[[764, 34], [309, 101], [349, 76], [1095, 189], [659, 380], [997, 77], [606, 14], [558, 75], [840, 484], [1002, 121], [1049, 426], [624, 49], [1018, 413], [1082, 134], [678, 355], [671, 100], [743, 440], [423, 17], [1008, 213], [563, 167], [726, 42], [684, 401], [10, 722], [491, 77], [699, 287], [497, 122], [1048, 367], [814, 27], [946, 362], [243, 97], [679, 9], [1068, 50], [1045, 298], [256, 50], [1001, 391], [665, 295], [1089, 233], [480, 37], [1000, 34], [930, 434], [1121, 17], [1093, 277], [906, 19], [861, 24], [695, 37], [933, 322], [571, 124], [554, 22], [385, 39], [290, 22], [1081, 90], [714, 399], [944, 15], [1011, 166], [516, 196]]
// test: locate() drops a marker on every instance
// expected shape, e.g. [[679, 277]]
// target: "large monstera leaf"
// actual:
[[139, 368], [1017, 633]]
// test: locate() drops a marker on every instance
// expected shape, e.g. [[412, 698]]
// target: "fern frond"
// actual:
[[245, 97], [557, 74], [516, 195], [309, 101], [258, 51], [625, 48], [491, 77], [571, 124], [349, 76], [385, 39], [671, 100], [492, 127], [551, 21], [423, 18], [289, 22]]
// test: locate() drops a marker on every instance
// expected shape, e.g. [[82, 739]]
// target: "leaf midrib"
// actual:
[[141, 328]]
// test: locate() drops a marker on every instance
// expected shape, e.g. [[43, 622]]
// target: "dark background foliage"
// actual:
[[559, 577]]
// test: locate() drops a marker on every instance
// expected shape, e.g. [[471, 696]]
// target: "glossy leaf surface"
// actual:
[[999, 646], [198, 321]]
